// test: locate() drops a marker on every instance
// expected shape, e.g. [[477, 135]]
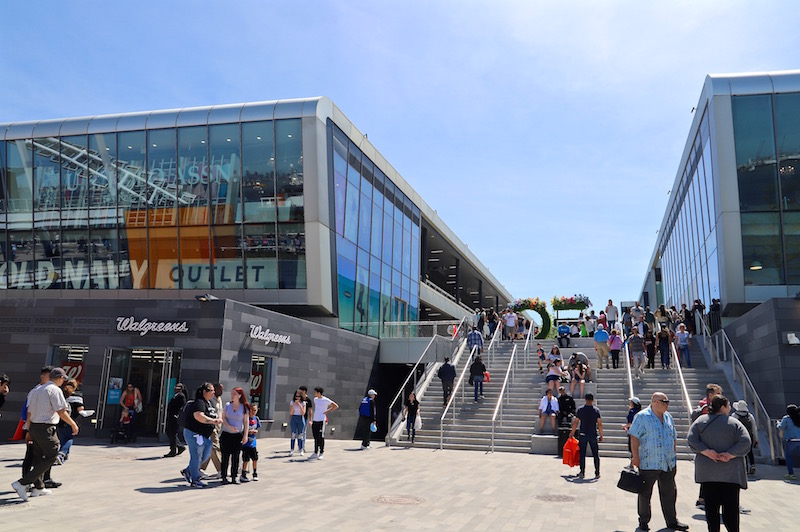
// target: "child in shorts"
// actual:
[[249, 451]]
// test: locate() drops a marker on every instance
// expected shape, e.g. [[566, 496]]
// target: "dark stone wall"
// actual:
[[217, 347], [759, 337]]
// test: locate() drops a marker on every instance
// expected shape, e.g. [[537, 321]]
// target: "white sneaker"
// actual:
[[204, 475], [302, 452], [20, 489], [216, 475], [35, 492], [291, 453], [319, 457], [313, 456]]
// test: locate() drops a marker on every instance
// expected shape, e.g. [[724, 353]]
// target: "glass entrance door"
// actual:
[[153, 371]]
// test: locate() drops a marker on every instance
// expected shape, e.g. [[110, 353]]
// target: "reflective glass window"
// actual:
[[361, 299], [339, 177], [19, 180], [289, 168], [224, 172], [346, 279], [193, 195], [388, 227], [755, 152], [354, 165], [791, 232], [377, 226], [374, 304], [351, 213], [258, 172], [260, 246], [761, 249], [4, 256], [46, 203], [132, 209], [74, 242], [787, 130], [364, 222], [162, 181], [292, 255], [104, 241]]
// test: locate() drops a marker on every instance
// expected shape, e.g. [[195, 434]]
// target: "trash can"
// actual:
[[563, 436]]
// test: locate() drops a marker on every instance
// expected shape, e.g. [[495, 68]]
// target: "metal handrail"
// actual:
[[627, 354], [679, 376], [526, 348], [458, 383], [394, 325], [491, 348], [403, 387], [499, 406]]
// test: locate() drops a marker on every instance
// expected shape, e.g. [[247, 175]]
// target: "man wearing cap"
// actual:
[[46, 405], [367, 415]]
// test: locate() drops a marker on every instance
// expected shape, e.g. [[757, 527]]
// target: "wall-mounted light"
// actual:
[[756, 265], [206, 297]]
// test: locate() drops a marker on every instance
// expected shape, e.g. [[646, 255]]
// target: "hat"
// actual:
[[740, 406], [600, 327], [372, 392], [58, 373], [635, 400]]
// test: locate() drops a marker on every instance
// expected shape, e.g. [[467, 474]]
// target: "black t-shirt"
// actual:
[[309, 407], [200, 405], [413, 407], [588, 416]]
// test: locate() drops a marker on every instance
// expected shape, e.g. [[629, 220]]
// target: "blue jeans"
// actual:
[[478, 380], [790, 447], [297, 424], [683, 354], [198, 453]]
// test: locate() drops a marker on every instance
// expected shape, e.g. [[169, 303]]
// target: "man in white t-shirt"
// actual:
[[322, 405], [511, 325], [611, 314]]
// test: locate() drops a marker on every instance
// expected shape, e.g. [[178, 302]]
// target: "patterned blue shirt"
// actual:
[[474, 339], [656, 440]]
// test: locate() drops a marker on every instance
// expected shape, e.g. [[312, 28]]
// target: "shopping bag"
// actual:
[[486, 376], [417, 423], [572, 456], [630, 480]]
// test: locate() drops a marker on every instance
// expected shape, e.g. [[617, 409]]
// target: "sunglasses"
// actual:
[[665, 401]]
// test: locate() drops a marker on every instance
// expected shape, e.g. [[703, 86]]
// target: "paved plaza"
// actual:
[[380, 489]]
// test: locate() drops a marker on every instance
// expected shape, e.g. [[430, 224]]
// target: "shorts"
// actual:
[[249, 453], [552, 378]]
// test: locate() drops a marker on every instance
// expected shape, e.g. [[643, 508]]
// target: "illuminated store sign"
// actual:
[[144, 326], [259, 333]]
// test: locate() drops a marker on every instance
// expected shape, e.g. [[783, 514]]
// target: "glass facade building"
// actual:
[[279, 204], [732, 226]]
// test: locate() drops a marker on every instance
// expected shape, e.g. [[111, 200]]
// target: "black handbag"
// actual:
[[630, 480]]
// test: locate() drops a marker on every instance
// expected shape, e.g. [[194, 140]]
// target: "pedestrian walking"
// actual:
[[590, 433], [174, 407], [235, 423], [46, 405], [201, 419], [297, 425], [789, 429], [249, 449], [742, 414], [653, 438], [214, 456], [476, 372], [308, 415], [447, 374], [475, 340], [410, 414]]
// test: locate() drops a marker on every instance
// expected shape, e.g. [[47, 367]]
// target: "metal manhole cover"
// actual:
[[556, 498], [405, 500]]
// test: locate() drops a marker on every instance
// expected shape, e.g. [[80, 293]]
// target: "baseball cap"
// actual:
[[372, 392], [635, 400], [58, 373]]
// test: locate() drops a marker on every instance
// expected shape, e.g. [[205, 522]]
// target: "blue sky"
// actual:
[[545, 134]]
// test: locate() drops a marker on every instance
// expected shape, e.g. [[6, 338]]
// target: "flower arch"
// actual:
[[539, 307]]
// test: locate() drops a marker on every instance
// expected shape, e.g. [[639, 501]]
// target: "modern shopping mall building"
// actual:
[[731, 230], [263, 245]]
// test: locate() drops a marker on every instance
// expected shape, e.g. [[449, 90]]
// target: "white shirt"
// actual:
[[553, 404], [611, 313], [511, 319], [44, 402], [320, 405]]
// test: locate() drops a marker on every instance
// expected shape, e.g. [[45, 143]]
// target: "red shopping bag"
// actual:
[[486, 376], [572, 456]]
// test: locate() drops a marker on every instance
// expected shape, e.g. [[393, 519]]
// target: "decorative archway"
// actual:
[[537, 306]]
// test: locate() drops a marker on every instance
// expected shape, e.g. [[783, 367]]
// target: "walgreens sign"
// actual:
[[145, 326]]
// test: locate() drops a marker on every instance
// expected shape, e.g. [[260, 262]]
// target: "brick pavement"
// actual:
[[381, 489]]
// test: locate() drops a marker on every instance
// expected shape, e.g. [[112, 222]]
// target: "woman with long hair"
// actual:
[[790, 433], [297, 422], [235, 424]]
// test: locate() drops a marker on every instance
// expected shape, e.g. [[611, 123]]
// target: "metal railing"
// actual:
[[419, 329], [687, 402], [411, 373], [494, 341], [526, 348], [763, 420], [626, 354], [446, 294], [459, 383], [512, 366]]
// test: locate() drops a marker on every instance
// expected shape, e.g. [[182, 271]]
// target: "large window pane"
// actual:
[[46, 202], [761, 249], [258, 171], [224, 173], [132, 210], [162, 180], [289, 168], [19, 180], [787, 130], [5, 261], [261, 255], [351, 213], [339, 177], [104, 241], [755, 152], [193, 200], [292, 255], [74, 245], [791, 232]]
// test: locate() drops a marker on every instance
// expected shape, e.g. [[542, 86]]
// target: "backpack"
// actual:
[[746, 421], [365, 409], [185, 412], [699, 411]]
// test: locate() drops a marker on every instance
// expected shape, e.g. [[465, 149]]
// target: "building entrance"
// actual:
[[153, 371]]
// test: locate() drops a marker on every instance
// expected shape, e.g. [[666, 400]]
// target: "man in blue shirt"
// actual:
[[474, 339], [563, 334], [601, 345], [653, 447]]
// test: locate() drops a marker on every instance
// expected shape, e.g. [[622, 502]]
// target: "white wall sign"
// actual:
[[257, 332], [144, 326]]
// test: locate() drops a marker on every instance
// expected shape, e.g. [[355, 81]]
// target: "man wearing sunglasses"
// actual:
[[653, 445]]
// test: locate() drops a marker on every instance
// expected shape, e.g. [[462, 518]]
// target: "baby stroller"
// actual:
[[125, 431]]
